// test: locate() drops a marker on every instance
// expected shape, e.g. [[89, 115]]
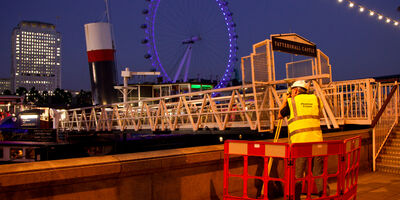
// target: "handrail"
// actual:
[[169, 97], [382, 109], [384, 121], [356, 102]]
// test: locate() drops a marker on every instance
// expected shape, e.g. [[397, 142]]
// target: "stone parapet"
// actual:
[[186, 173]]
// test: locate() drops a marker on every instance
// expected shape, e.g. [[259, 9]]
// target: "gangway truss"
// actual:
[[253, 105]]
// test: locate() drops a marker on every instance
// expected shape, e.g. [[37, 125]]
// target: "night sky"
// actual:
[[359, 46]]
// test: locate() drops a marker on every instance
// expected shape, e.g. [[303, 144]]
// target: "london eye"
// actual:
[[189, 39]]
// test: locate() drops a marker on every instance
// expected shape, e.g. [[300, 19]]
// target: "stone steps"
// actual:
[[394, 142], [389, 159], [394, 135], [391, 150], [388, 168]]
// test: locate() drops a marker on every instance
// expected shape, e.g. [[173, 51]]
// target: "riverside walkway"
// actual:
[[165, 174], [377, 186]]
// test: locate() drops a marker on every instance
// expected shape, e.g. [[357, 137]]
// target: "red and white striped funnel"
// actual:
[[101, 53]]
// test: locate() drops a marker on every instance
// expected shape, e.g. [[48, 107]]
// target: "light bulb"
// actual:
[[371, 13]]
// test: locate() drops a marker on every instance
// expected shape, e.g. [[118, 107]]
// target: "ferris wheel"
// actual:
[[189, 39]]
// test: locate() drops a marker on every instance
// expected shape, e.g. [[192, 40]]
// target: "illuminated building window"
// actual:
[[16, 153]]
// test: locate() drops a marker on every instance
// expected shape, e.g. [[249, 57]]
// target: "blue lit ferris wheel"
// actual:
[[190, 38]]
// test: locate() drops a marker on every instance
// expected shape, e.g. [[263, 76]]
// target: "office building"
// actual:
[[36, 56], [5, 84]]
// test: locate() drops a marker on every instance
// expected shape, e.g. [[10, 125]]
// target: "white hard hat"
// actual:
[[300, 83]]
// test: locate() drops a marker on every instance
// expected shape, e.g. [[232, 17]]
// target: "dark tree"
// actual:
[[83, 99], [62, 97], [6, 92], [44, 100], [34, 96], [21, 91]]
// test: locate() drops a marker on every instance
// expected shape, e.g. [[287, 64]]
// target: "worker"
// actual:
[[303, 110]]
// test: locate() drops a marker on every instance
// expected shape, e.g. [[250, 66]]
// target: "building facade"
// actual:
[[36, 56], [5, 84]]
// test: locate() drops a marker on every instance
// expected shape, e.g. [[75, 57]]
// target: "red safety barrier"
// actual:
[[265, 152], [351, 159], [314, 158], [336, 179]]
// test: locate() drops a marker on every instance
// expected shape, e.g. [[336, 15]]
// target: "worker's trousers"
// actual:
[[317, 170]]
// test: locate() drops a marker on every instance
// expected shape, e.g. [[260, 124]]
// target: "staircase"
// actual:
[[389, 159]]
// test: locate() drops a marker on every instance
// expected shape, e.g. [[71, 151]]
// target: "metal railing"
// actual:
[[351, 101], [254, 106], [386, 118], [185, 111]]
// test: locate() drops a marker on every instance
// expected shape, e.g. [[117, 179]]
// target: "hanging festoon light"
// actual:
[[361, 9], [371, 13]]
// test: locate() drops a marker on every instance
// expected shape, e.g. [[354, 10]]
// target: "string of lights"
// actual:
[[370, 12]]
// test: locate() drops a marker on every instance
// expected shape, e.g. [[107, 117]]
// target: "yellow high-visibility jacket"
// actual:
[[304, 121]]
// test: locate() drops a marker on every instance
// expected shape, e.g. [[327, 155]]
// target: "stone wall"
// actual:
[[188, 173]]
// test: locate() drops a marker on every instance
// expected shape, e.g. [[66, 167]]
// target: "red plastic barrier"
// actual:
[[340, 164], [266, 151], [351, 159], [313, 153]]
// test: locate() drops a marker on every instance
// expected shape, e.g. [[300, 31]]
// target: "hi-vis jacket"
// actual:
[[303, 122]]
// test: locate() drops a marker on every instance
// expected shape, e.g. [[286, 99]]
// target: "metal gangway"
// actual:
[[253, 105]]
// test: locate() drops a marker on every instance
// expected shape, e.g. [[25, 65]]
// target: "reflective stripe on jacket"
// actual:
[[304, 121]]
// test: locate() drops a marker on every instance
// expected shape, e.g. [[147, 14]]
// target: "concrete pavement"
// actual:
[[378, 186]]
